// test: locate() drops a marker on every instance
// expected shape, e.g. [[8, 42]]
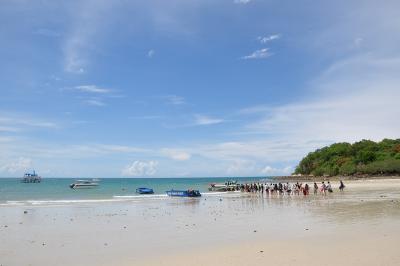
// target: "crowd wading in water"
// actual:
[[286, 188]]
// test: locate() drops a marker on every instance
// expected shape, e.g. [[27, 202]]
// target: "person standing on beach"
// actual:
[[306, 190], [315, 188], [329, 187], [323, 188], [342, 186], [288, 188]]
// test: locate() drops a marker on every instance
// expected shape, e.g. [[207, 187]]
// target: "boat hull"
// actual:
[[82, 186], [184, 193], [144, 191]]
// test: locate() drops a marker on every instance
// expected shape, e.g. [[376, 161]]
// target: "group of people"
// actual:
[[289, 189]]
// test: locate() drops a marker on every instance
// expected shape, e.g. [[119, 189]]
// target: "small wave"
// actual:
[[115, 198], [154, 196], [55, 202], [12, 203]]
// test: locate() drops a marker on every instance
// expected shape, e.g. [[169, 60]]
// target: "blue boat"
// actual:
[[183, 193], [144, 190]]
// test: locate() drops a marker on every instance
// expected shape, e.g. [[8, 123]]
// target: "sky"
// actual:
[[192, 88]]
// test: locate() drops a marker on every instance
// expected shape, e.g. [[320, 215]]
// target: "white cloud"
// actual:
[[16, 122], [241, 1], [22, 164], [8, 129], [269, 170], [258, 54], [202, 120], [89, 20], [176, 154], [353, 99], [269, 38], [272, 150], [140, 168], [240, 167], [150, 53], [88, 92], [175, 100], [95, 102], [92, 89], [6, 139]]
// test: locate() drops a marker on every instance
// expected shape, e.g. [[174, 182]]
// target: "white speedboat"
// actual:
[[84, 184], [227, 186]]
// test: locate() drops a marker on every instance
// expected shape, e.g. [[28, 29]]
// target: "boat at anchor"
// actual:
[[184, 193], [227, 186], [84, 184], [144, 190], [31, 178]]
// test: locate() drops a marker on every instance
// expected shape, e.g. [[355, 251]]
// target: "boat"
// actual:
[[227, 186], [184, 193], [144, 190], [31, 178], [84, 184]]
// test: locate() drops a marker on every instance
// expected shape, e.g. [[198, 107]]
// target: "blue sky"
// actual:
[[192, 88]]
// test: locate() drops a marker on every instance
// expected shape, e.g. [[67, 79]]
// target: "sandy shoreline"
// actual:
[[357, 227]]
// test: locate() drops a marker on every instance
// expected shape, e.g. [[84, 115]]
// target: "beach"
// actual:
[[356, 227]]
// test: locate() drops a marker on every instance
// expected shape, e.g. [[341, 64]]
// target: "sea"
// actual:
[[57, 190]]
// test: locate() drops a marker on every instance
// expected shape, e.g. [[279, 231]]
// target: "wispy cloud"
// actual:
[[8, 129], [140, 168], [92, 89], [353, 99], [269, 170], [175, 100], [89, 17], [17, 166], [16, 122], [243, 2], [93, 95], [176, 154], [258, 54], [240, 167], [269, 38], [203, 120], [95, 102], [150, 53]]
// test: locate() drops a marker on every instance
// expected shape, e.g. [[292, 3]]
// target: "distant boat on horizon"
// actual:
[[31, 178]]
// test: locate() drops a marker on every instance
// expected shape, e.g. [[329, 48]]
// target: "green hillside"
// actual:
[[363, 157]]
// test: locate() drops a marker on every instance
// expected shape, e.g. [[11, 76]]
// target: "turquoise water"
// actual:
[[52, 189]]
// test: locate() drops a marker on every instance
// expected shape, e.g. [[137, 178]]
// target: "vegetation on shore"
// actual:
[[365, 157]]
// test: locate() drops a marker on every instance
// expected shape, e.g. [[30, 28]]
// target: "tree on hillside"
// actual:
[[363, 157]]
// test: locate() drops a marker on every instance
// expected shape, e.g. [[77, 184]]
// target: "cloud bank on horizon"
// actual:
[[109, 89]]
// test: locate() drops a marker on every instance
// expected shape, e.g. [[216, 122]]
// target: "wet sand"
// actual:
[[357, 227]]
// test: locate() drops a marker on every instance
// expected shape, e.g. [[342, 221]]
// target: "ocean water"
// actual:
[[12, 191]]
